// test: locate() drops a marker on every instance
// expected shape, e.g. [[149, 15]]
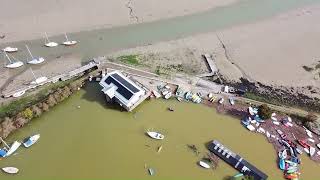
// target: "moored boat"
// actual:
[[231, 100], [39, 80], [19, 93], [151, 171], [282, 164], [10, 170], [221, 100], [155, 135], [303, 143], [312, 151], [15, 145], [204, 164], [49, 43], [10, 49], [168, 95], [31, 140], [250, 127], [318, 145], [69, 42]]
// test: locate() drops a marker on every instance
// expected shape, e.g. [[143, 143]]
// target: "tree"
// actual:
[[264, 111]]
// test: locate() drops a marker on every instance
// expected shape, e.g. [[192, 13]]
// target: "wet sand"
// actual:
[[272, 51], [25, 20]]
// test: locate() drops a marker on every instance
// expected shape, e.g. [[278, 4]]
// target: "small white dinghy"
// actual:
[[13, 148], [31, 140], [49, 43], [155, 135], [168, 95], [204, 165], [39, 80], [10, 49], [19, 93], [69, 42], [10, 170], [221, 101], [312, 151]]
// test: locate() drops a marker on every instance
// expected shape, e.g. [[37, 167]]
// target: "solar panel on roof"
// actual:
[[121, 89], [125, 83]]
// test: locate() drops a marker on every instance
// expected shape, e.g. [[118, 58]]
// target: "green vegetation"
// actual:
[[255, 97], [264, 111], [130, 59], [21, 104]]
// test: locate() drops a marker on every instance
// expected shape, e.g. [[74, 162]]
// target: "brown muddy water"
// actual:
[[101, 142]]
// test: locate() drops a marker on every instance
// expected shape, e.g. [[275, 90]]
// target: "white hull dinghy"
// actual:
[[221, 101], [312, 151], [34, 60], [69, 42], [13, 65], [39, 80], [204, 165], [13, 148], [19, 93], [49, 43], [167, 96], [10, 49], [10, 170], [31, 140], [155, 135]]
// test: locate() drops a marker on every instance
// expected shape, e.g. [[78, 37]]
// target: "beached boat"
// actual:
[[292, 176], [38, 80], [250, 127], [12, 64], [167, 96], [179, 99], [268, 134], [156, 94], [221, 100], [250, 110], [306, 150], [318, 145], [165, 92], [279, 132], [309, 133], [69, 42], [34, 60], [231, 100], [49, 43], [204, 164], [276, 123], [151, 171], [299, 151], [15, 145], [19, 93], [303, 143], [10, 49], [188, 95], [312, 151], [282, 164], [283, 154], [10, 170], [311, 140], [31, 140], [155, 135], [170, 109]]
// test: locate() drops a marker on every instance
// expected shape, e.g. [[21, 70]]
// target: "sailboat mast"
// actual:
[[8, 57], [29, 51], [47, 37], [33, 74], [4, 143], [66, 36]]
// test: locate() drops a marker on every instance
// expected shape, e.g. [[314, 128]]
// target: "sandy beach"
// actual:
[[25, 20]]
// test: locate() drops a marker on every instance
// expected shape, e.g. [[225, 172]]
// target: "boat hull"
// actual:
[[155, 135], [31, 140], [10, 170], [14, 65], [36, 61]]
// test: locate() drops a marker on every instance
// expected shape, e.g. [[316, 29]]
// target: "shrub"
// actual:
[[36, 111], [27, 114], [264, 111]]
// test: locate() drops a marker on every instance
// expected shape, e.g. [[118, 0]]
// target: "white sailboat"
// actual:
[[10, 49], [39, 80], [37, 60], [69, 42], [31, 140], [19, 93], [15, 145], [13, 65], [49, 43]]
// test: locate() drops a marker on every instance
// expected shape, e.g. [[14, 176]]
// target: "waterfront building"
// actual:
[[120, 89]]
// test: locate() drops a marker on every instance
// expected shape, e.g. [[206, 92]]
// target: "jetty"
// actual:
[[236, 161]]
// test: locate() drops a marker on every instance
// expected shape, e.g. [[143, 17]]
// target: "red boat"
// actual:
[[303, 143]]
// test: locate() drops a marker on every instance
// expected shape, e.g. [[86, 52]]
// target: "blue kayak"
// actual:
[[282, 164]]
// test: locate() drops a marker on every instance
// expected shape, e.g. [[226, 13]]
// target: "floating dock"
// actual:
[[236, 161]]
